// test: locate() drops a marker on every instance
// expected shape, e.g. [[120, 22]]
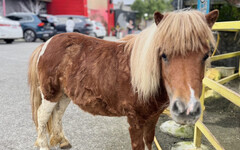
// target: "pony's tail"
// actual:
[[35, 95]]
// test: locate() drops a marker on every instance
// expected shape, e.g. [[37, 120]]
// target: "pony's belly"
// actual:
[[98, 107]]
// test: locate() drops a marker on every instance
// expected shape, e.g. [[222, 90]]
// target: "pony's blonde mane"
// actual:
[[177, 33]]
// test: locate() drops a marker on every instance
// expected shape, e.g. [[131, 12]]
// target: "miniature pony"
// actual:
[[137, 77]]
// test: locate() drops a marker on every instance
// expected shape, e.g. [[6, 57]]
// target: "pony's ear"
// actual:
[[212, 17], [158, 17]]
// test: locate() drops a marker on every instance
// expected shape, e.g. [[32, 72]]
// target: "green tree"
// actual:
[[150, 6], [227, 12], [139, 6]]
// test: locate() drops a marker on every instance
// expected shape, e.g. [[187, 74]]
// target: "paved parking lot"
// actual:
[[17, 131]]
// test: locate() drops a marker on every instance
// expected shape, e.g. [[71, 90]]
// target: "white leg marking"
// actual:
[[44, 149], [145, 145], [44, 112], [43, 49], [58, 134]]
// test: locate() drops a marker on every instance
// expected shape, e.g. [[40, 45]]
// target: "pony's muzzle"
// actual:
[[186, 114]]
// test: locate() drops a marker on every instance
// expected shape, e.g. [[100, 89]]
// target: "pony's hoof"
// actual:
[[36, 144], [65, 145], [45, 148], [54, 141]]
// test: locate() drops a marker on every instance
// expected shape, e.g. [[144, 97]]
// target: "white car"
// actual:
[[10, 30], [98, 29]]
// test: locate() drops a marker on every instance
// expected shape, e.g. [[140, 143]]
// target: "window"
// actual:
[[62, 20], [25, 18], [77, 20]]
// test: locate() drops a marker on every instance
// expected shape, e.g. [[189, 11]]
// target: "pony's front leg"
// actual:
[[44, 113], [136, 134], [149, 131]]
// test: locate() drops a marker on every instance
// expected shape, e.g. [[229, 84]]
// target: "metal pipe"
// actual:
[[4, 7]]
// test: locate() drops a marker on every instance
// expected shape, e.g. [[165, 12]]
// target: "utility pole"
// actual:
[[108, 11], [180, 4], [4, 7]]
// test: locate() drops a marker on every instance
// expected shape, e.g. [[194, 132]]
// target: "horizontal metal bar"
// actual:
[[228, 30], [225, 56], [211, 138], [227, 26], [225, 92], [229, 78]]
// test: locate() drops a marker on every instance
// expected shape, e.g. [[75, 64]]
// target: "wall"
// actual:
[[68, 7], [98, 11]]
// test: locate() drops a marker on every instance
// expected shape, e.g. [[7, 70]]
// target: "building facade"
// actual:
[[69, 7], [35, 6], [99, 10]]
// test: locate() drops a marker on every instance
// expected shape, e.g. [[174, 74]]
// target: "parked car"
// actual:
[[10, 30], [33, 26], [82, 24], [48, 18], [98, 29]]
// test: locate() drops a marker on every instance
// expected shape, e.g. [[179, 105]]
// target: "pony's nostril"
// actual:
[[196, 110], [178, 107]]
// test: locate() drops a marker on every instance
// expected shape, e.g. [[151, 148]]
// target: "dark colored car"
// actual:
[[34, 26], [82, 24]]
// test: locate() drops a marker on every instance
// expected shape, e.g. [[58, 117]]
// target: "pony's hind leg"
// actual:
[[57, 134], [44, 113]]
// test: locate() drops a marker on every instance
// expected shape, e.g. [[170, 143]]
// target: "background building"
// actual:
[[99, 10], [69, 7], [123, 13], [35, 6]]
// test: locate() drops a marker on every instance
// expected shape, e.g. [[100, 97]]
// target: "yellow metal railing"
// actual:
[[157, 144], [232, 26], [167, 112], [217, 86], [200, 128]]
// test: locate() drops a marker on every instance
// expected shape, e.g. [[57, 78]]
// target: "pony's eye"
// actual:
[[164, 57], [205, 57]]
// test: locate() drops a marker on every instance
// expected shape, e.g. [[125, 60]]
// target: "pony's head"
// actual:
[[174, 51]]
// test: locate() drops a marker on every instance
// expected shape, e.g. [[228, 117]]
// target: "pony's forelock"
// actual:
[[183, 31], [177, 34]]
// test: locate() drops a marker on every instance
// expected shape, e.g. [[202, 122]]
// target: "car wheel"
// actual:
[[44, 40], [29, 36], [8, 41], [76, 31], [94, 34]]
